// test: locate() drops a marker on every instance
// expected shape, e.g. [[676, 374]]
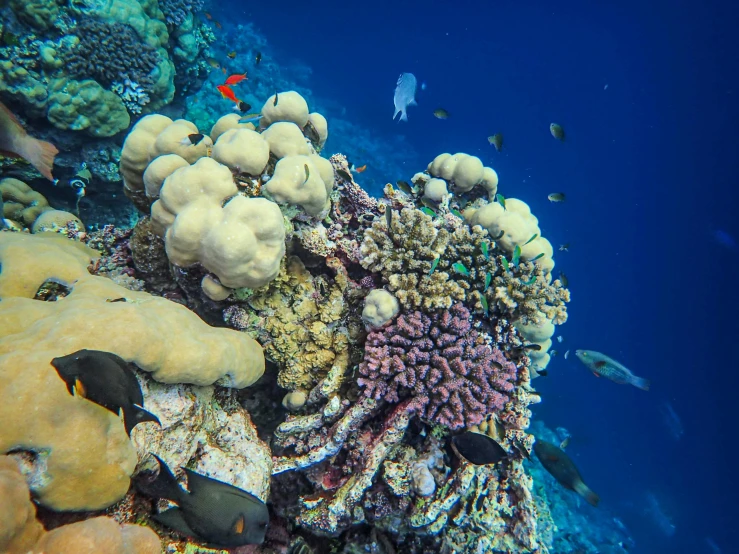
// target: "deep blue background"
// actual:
[[650, 172]]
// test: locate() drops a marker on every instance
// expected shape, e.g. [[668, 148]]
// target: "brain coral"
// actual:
[[439, 361]]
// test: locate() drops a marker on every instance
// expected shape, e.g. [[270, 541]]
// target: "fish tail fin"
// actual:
[[589, 496], [165, 484], [403, 116], [413, 103], [136, 415], [41, 155], [641, 383]]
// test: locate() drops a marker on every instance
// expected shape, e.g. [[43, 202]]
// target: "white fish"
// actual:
[[567, 354], [405, 95], [559, 338]]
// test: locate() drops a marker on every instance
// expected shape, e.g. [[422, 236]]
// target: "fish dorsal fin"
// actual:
[[198, 482]]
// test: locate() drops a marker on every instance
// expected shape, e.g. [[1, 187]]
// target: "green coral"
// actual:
[[86, 106], [39, 14]]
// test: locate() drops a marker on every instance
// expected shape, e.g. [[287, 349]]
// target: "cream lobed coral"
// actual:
[[241, 240]]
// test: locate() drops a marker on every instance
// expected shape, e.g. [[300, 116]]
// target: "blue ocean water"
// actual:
[[647, 94]]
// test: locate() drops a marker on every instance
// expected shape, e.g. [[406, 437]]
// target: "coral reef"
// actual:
[[389, 325]]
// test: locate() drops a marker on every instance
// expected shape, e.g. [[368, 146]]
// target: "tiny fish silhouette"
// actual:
[[213, 511], [497, 141], [106, 380], [557, 131], [603, 366], [563, 469]]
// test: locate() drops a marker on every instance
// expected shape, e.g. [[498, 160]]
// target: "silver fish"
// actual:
[[405, 95]]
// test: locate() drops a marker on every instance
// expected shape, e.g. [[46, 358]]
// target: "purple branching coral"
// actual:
[[442, 363], [176, 11], [110, 53]]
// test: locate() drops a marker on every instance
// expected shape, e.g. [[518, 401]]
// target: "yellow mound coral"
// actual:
[[20, 202], [84, 454], [20, 533]]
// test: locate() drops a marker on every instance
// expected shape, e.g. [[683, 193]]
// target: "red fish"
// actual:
[[227, 93], [15, 142], [235, 79], [361, 169], [207, 15]]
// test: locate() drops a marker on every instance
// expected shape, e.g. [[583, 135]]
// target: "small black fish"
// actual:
[[242, 106], [496, 365], [429, 203], [536, 347], [563, 469], [307, 173], [542, 372], [121, 299], [563, 279], [500, 236], [193, 139], [213, 511], [107, 380], [389, 219], [405, 187], [276, 99], [258, 58], [344, 175], [477, 448]]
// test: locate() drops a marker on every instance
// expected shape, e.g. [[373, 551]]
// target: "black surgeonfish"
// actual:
[[477, 448], [107, 380], [563, 469], [212, 511]]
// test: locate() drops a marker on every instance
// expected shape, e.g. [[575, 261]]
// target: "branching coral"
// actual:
[[110, 53], [405, 255], [470, 265], [441, 362]]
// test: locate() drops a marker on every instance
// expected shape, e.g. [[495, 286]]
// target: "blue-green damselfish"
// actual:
[[107, 380], [215, 512]]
